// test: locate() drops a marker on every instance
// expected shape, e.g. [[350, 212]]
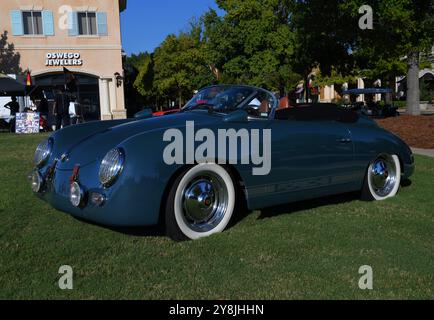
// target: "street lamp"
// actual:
[[119, 79]]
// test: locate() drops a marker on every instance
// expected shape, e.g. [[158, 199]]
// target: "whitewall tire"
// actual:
[[200, 203], [383, 178]]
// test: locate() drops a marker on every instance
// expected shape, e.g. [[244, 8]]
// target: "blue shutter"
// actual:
[[72, 24], [48, 23], [17, 23], [101, 20]]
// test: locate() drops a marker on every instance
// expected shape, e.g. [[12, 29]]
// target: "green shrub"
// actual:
[[400, 104]]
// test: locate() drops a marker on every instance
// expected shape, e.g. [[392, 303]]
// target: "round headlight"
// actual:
[[76, 194], [36, 181], [111, 167], [43, 152]]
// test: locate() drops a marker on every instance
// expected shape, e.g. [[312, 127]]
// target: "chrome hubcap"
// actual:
[[205, 202], [382, 176]]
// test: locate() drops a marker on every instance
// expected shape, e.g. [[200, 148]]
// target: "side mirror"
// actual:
[[145, 113], [237, 116], [253, 110], [253, 107]]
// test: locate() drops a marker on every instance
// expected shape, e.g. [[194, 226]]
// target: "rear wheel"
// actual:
[[383, 178], [200, 203]]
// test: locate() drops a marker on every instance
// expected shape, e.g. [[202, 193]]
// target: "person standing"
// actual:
[[43, 113], [79, 112], [73, 111], [33, 107], [14, 107], [61, 109], [43, 106], [51, 117]]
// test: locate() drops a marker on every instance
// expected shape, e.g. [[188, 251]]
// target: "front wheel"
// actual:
[[200, 203], [383, 178]]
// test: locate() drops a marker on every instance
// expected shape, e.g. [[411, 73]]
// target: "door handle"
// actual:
[[344, 140]]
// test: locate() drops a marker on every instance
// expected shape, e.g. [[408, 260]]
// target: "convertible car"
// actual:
[[116, 173]]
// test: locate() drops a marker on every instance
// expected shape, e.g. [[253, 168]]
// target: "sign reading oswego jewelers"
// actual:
[[63, 59]]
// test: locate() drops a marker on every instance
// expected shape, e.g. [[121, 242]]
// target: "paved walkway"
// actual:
[[424, 152], [429, 111]]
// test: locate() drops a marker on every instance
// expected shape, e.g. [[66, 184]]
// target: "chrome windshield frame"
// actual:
[[243, 103]]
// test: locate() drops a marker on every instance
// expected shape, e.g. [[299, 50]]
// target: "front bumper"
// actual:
[[121, 206]]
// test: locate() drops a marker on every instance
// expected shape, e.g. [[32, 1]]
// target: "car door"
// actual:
[[309, 159]]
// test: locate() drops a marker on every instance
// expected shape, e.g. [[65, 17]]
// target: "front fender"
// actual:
[[371, 141], [140, 189]]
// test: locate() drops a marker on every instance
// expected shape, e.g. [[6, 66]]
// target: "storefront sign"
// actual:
[[27, 123], [63, 59]]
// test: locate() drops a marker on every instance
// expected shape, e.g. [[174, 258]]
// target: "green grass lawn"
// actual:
[[309, 250]]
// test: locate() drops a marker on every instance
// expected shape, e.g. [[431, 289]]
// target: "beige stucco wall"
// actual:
[[101, 55]]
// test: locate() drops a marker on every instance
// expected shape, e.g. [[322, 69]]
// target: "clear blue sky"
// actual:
[[146, 23]]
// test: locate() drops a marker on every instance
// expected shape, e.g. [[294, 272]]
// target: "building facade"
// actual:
[[82, 36]]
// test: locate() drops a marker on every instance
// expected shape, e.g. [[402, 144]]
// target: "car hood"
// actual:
[[95, 147]]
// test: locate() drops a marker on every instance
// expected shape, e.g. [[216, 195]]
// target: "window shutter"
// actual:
[[17, 23], [48, 23], [72, 24], [101, 20]]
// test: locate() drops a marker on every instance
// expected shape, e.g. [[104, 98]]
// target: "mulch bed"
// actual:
[[418, 132]]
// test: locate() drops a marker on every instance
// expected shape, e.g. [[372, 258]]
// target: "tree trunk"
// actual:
[[282, 92], [391, 84], [306, 88], [413, 91]]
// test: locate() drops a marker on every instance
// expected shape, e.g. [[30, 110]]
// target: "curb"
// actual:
[[424, 152]]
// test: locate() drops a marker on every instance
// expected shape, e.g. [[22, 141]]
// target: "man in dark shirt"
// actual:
[[61, 109], [43, 106], [13, 106]]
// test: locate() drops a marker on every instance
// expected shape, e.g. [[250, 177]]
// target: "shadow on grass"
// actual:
[[241, 212], [295, 207], [406, 183], [151, 231]]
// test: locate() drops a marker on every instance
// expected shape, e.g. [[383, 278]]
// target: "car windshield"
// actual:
[[224, 99]]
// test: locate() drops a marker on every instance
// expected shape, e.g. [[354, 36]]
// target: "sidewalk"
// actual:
[[429, 111], [424, 152]]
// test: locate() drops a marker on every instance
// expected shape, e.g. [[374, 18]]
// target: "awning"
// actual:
[[368, 91], [11, 87]]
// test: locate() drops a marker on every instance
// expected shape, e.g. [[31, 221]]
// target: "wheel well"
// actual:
[[233, 172]]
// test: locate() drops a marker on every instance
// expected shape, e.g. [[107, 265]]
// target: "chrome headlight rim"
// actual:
[[76, 194], [36, 181], [109, 171], [43, 152]]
